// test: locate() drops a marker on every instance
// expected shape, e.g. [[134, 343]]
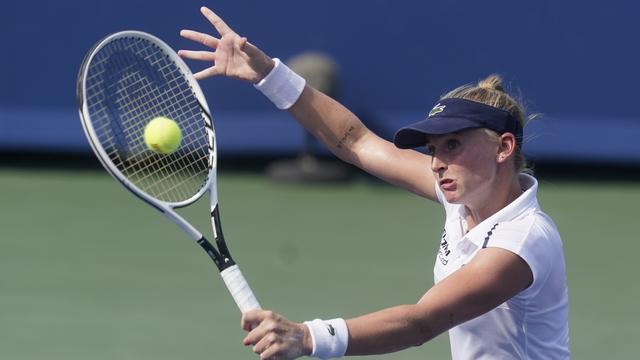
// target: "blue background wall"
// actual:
[[574, 61]]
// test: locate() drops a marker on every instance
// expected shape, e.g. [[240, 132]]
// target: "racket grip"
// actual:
[[239, 289]]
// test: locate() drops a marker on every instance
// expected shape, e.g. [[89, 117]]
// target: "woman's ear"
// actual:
[[506, 147]]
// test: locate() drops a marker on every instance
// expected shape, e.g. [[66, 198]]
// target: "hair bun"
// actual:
[[491, 82]]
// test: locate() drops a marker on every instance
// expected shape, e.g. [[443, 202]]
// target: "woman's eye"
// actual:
[[452, 144], [431, 150]]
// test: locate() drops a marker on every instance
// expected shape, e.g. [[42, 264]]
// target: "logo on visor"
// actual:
[[437, 109]]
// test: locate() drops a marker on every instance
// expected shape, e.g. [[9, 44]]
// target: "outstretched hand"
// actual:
[[275, 337], [232, 54]]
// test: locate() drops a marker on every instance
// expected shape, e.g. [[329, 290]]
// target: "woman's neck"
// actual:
[[497, 200]]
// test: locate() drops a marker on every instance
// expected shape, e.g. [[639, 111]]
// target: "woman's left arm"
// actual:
[[492, 277]]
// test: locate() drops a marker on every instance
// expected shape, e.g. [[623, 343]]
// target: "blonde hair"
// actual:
[[490, 91]]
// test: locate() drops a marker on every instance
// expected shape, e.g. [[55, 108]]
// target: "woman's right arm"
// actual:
[[328, 120], [349, 139]]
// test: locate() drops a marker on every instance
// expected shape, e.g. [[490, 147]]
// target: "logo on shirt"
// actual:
[[437, 109], [443, 252]]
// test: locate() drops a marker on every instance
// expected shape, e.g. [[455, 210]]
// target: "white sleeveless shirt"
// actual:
[[534, 323]]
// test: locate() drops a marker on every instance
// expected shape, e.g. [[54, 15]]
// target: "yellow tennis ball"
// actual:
[[162, 135]]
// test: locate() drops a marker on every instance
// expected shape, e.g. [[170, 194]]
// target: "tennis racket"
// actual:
[[127, 79]]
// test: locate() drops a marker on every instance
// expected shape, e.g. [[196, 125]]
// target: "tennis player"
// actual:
[[500, 284]]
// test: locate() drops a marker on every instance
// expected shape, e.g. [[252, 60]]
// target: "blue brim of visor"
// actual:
[[452, 115], [415, 135]]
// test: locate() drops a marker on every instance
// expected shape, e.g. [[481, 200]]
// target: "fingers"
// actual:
[[273, 352], [274, 337], [206, 73], [267, 327], [233, 57], [202, 38], [215, 20], [197, 55], [242, 43], [206, 40], [253, 321], [264, 343]]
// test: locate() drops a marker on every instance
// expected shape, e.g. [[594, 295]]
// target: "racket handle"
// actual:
[[239, 289]]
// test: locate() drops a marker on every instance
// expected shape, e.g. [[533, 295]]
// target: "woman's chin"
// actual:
[[452, 197]]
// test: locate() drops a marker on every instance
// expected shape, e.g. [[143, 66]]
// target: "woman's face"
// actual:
[[464, 165]]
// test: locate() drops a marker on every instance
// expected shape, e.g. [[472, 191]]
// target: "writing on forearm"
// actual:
[[344, 137]]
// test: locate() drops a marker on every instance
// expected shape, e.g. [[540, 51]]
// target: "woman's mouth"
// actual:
[[447, 185]]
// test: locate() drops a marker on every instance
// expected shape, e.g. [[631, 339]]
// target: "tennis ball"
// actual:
[[162, 135]]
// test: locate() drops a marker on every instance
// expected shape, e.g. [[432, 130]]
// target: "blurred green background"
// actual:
[[89, 272]]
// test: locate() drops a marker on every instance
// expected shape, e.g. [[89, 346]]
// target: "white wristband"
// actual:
[[329, 337], [282, 86]]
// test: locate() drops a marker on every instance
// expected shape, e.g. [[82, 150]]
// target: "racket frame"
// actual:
[[229, 271]]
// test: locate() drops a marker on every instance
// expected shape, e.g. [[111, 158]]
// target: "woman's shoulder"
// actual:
[[534, 237], [535, 224], [536, 240]]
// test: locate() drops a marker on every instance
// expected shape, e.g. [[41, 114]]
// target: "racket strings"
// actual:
[[131, 81]]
